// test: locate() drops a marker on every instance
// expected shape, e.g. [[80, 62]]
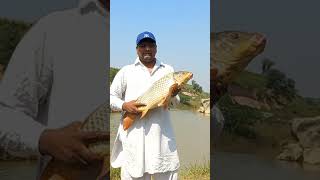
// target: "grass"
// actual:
[[195, 171], [115, 174], [190, 172]]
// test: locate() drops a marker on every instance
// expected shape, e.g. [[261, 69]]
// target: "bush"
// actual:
[[184, 99], [196, 87], [239, 119], [280, 84], [11, 32], [112, 73]]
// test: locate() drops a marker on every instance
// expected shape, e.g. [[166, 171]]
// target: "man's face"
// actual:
[[147, 51]]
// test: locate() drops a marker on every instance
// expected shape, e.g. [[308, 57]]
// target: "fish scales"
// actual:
[[98, 121], [159, 90]]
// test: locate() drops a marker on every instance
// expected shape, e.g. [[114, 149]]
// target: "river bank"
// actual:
[[232, 166], [268, 144]]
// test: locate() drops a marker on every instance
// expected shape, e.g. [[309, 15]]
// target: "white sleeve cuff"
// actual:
[[116, 103], [175, 101], [22, 128]]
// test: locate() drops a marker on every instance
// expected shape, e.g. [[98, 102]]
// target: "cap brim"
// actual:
[[147, 38]]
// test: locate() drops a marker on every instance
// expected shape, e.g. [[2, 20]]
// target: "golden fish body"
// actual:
[[160, 89], [96, 121], [158, 94]]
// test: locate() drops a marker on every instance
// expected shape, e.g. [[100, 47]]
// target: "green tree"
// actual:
[[280, 85], [184, 99], [11, 32], [267, 64], [196, 87], [112, 73]]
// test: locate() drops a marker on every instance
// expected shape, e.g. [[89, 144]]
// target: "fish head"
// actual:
[[231, 51], [182, 77]]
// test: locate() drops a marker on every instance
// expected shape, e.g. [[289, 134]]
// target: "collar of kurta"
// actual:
[[87, 6], [138, 62], [156, 66]]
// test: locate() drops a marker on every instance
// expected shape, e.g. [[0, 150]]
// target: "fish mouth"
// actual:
[[186, 76], [258, 43], [259, 38]]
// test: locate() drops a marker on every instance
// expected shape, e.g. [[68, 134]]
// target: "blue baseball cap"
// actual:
[[145, 35]]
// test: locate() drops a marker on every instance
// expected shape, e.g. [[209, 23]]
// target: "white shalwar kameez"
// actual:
[[149, 145]]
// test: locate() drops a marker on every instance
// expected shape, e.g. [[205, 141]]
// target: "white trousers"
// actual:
[[171, 175]]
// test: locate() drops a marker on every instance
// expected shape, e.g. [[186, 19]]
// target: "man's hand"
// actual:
[[132, 107], [218, 89], [175, 90], [68, 144]]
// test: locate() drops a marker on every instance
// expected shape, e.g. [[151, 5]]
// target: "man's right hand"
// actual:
[[131, 107], [68, 144]]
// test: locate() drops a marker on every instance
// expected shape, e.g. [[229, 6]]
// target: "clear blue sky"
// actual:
[[181, 27]]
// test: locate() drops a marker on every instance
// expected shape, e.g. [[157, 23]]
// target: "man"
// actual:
[[148, 147], [57, 76]]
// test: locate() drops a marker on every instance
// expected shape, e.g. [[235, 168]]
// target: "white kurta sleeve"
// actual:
[[25, 86], [117, 90], [217, 122], [175, 101]]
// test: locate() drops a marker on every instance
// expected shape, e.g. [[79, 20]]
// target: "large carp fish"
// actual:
[[231, 52], [98, 120], [158, 95]]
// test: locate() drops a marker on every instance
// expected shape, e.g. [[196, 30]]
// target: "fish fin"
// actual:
[[163, 101], [144, 112], [128, 120], [166, 100]]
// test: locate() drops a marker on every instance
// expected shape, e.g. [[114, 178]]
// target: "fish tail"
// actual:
[[128, 120], [143, 113]]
